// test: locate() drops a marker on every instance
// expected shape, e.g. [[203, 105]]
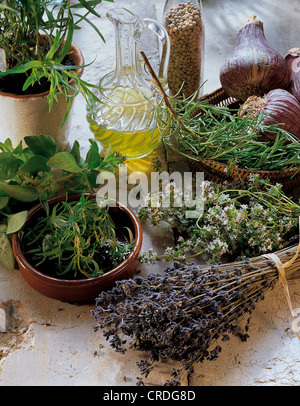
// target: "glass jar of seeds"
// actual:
[[184, 23]]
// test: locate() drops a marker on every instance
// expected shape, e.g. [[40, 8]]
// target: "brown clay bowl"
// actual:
[[79, 290]]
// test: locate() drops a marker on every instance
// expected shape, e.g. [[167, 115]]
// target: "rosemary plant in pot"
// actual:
[[41, 68], [72, 248]]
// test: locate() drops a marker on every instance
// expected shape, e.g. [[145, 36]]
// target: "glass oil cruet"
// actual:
[[124, 120]]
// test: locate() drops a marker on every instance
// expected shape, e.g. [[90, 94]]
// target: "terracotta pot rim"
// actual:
[[21, 260], [78, 58]]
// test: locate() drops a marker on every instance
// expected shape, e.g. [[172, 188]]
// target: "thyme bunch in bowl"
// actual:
[[76, 239]]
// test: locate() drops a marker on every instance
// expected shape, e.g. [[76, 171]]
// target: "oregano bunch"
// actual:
[[237, 221], [42, 170]]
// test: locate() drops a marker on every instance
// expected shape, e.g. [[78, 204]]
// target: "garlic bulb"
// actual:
[[293, 63], [254, 67], [278, 107]]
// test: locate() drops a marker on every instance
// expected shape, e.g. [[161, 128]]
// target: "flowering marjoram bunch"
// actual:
[[235, 222]]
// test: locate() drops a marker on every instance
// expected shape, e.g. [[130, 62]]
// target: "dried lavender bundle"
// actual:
[[181, 313]]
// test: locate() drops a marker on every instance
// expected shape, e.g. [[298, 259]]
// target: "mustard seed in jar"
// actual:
[[185, 28]]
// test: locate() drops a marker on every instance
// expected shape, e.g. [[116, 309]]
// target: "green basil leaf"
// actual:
[[8, 144], [41, 145], [16, 221], [35, 164], [6, 252], [75, 151], [9, 165], [25, 154], [3, 147], [64, 160], [23, 193], [92, 178], [3, 201], [93, 157], [19, 149]]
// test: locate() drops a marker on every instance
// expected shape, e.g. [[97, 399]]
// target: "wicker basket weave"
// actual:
[[216, 171]]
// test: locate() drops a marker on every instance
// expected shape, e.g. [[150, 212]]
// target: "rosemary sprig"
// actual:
[[78, 239], [225, 137], [196, 130]]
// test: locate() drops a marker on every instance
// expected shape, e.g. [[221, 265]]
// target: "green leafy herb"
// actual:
[[22, 26], [77, 238], [7, 257], [41, 170], [196, 130], [217, 134]]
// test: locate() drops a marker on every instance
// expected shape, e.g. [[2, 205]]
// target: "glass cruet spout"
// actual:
[[126, 64], [124, 120]]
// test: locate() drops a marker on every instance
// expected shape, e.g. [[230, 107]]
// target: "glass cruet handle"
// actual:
[[164, 43]]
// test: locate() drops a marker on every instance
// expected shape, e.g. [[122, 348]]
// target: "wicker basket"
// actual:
[[217, 171]]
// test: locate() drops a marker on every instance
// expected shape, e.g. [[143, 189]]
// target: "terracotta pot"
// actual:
[[25, 115], [79, 290]]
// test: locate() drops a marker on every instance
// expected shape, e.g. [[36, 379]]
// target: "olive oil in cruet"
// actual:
[[125, 119]]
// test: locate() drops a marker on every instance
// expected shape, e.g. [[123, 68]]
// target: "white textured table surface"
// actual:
[[52, 343]]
